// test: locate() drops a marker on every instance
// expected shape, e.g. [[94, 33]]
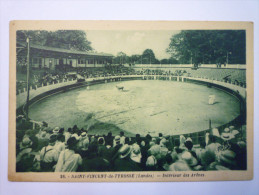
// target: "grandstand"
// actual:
[[234, 76]]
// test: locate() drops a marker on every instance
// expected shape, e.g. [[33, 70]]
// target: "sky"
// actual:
[[131, 42]]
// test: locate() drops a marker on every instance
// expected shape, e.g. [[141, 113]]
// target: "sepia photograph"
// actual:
[[105, 101]]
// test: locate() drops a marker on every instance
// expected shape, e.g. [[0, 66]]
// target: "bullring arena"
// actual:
[[160, 102]]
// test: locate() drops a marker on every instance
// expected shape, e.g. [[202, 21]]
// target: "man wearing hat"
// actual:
[[185, 162], [83, 138], [116, 146], [226, 135], [102, 149], [124, 162], [228, 141], [43, 140], [116, 140], [24, 159], [60, 145], [135, 153], [68, 134], [49, 155], [93, 162], [109, 139], [122, 138], [68, 160], [56, 130]]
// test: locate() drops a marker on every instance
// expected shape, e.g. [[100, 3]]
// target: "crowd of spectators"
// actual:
[[57, 149], [46, 77], [39, 79], [161, 72]]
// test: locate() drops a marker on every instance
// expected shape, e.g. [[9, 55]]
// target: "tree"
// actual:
[[67, 39], [209, 46], [121, 58], [135, 59], [148, 57]]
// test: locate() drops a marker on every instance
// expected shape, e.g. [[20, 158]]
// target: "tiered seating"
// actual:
[[235, 76]]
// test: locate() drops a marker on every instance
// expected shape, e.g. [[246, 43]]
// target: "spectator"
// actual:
[[68, 134], [24, 159], [124, 162], [68, 160], [49, 155], [60, 143], [122, 138], [92, 162], [135, 153], [109, 139]]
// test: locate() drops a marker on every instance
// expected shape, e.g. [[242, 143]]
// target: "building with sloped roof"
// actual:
[[51, 58]]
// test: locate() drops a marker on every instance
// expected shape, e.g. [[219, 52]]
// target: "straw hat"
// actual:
[[151, 161], [26, 143], [227, 135], [154, 150], [83, 134], [135, 153], [85, 144], [163, 142], [124, 151], [56, 130], [101, 141]]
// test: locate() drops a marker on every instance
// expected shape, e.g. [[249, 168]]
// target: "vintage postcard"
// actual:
[[130, 101]]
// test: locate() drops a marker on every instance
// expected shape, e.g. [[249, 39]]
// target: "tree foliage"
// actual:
[[147, 57], [66, 39], [209, 46]]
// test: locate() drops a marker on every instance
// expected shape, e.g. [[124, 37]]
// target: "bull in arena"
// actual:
[[120, 88]]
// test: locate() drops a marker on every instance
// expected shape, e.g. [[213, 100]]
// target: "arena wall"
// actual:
[[46, 91], [232, 66]]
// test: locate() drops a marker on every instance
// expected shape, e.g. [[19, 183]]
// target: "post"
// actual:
[[227, 58], [85, 64], [76, 65], [209, 124], [28, 77], [191, 57]]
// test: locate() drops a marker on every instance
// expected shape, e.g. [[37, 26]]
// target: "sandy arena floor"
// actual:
[[143, 107]]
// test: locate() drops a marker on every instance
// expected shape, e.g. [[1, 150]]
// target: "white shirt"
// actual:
[[83, 143], [59, 146], [122, 140], [51, 154], [67, 136], [68, 161]]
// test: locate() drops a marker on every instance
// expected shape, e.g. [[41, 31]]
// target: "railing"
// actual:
[[21, 95], [231, 66]]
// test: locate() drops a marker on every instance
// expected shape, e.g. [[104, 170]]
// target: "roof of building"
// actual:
[[61, 50]]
